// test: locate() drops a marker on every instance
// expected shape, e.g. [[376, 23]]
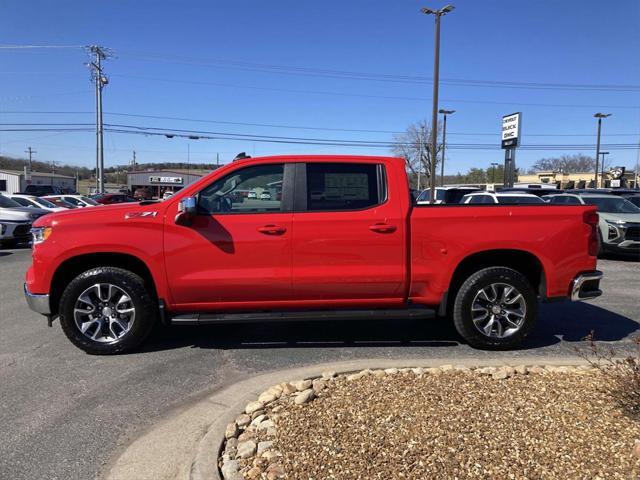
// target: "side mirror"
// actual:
[[186, 211]]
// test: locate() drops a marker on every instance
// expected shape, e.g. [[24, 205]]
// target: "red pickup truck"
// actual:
[[327, 236]]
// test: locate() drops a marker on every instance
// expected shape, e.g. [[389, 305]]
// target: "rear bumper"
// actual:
[[586, 286], [37, 302]]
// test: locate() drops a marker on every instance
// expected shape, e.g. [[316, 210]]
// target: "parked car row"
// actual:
[[16, 220], [618, 209]]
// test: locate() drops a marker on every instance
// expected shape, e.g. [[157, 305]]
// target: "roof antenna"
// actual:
[[241, 156]]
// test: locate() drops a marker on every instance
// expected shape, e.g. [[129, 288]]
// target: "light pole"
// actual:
[[436, 78], [602, 167], [420, 155], [444, 140], [599, 116], [493, 172]]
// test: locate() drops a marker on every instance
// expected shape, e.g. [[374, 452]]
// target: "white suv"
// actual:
[[502, 198]]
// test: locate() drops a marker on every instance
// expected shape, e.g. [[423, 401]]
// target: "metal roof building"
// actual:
[[13, 181], [162, 180]]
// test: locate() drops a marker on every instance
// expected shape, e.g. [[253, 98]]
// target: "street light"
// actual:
[[444, 140], [436, 77], [602, 166], [599, 116], [493, 173]]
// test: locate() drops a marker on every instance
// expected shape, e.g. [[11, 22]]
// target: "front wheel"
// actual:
[[107, 310], [495, 309]]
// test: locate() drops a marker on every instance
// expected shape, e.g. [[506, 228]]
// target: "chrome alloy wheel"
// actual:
[[498, 310], [104, 313]]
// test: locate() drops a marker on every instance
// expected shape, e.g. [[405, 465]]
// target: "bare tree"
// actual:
[[565, 163], [414, 141]]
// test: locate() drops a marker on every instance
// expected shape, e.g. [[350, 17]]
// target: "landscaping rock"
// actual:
[[636, 449], [253, 473], [267, 397], [232, 430], [253, 407], [246, 449], [358, 376], [264, 446], [265, 425], [287, 388], [521, 370], [258, 419], [319, 385], [301, 385], [391, 371], [500, 375], [378, 373], [304, 396], [328, 375], [275, 471], [243, 420], [229, 468]]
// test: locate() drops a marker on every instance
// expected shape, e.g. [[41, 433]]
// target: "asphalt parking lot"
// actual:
[[65, 414]]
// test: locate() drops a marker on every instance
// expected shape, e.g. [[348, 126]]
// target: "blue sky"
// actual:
[[189, 59]]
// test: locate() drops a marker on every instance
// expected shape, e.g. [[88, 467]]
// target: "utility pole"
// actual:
[[217, 159], [436, 78], [53, 167], [494, 165], [420, 154], [100, 79], [30, 151], [599, 116], [444, 141]]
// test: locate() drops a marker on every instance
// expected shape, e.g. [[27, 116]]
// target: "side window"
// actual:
[[22, 201], [344, 186], [560, 200], [572, 201], [255, 189], [477, 199]]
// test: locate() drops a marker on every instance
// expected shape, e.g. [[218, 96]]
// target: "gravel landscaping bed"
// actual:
[[436, 423]]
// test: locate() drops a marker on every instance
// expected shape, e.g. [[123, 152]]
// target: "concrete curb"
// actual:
[[186, 444]]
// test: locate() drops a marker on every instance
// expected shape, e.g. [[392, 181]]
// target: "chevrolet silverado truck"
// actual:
[[340, 238]]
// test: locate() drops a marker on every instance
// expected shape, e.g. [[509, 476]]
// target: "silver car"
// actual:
[[619, 224], [16, 220]]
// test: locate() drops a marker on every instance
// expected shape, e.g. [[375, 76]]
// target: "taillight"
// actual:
[[590, 217]]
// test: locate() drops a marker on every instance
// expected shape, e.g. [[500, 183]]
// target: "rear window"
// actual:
[[343, 186], [515, 200]]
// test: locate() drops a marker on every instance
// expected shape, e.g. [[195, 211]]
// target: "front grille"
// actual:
[[633, 233], [22, 231]]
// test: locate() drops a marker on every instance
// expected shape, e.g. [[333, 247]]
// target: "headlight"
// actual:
[[40, 234], [616, 222]]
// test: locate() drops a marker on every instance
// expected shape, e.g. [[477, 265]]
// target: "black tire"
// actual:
[[462, 309], [145, 310]]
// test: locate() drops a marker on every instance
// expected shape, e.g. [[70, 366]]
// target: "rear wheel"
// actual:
[[495, 309], [107, 310]]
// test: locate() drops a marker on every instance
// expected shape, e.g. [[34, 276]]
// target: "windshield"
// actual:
[[8, 203], [44, 203], [612, 205], [514, 200], [88, 200]]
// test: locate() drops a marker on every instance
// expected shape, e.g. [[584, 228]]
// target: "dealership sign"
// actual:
[[165, 179], [511, 130]]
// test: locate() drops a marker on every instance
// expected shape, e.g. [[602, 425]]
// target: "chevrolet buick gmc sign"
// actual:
[[511, 130]]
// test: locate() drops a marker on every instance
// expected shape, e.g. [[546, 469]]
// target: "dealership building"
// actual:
[[14, 181], [160, 181]]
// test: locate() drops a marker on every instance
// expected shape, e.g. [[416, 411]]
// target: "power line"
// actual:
[[23, 47], [385, 97], [352, 75]]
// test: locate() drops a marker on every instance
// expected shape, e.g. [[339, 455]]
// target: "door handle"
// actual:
[[272, 229], [383, 228]]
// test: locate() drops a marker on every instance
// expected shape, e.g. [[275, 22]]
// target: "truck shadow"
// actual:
[[568, 321]]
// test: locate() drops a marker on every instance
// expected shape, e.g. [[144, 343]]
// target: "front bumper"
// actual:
[[586, 286], [37, 302]]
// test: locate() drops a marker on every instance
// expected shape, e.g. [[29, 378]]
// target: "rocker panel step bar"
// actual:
[[304, 315]]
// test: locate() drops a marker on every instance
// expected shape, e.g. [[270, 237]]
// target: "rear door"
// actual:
[[348, 235]]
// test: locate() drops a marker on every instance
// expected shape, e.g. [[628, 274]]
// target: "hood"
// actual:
[[22, 213], [95, 216], [624, 217]]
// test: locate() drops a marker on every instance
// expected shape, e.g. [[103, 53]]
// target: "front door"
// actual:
[[349, 239], [236, 254]]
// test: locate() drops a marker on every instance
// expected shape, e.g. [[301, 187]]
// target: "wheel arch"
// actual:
[[522, 261], [74, 266]]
